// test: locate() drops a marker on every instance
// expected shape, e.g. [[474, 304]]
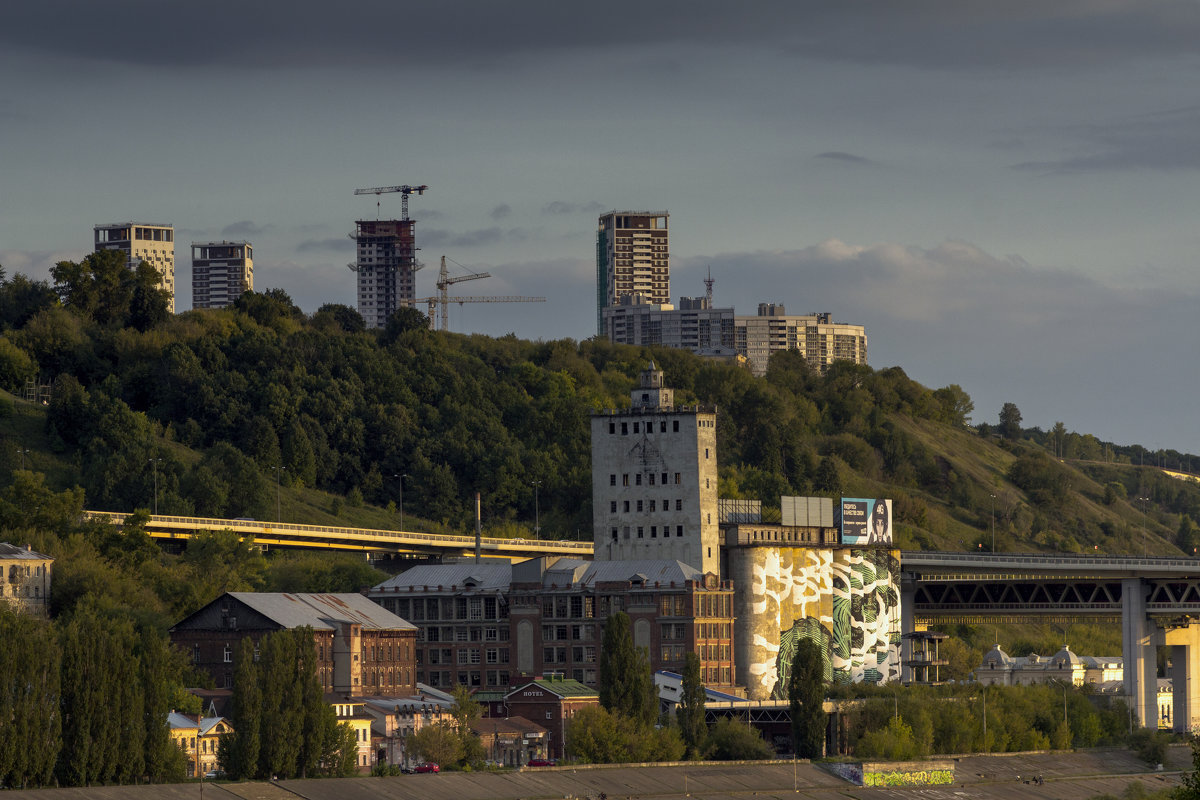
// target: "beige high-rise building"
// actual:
[[817, 336], [654, 480], [151, 242], [221, 272], [632, 257]]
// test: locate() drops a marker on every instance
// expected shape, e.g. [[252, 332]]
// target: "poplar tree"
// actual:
[[29, 700], [806, 699], [282, 718], [240, 757], [690, 713], [626, 684]]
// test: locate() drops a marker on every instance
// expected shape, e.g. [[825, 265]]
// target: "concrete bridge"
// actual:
[[359, 540], [1155, 600]]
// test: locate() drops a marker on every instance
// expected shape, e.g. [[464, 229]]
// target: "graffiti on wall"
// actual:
[[897, 777], [845, 600]]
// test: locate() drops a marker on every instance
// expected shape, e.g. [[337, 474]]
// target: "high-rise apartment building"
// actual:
[[143, 241], [386, 265], [817, 336], [654, 479], [221, 271], [632, 257]]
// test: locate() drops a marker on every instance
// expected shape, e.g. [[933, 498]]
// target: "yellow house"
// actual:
[[352, 712], [211, 731], [185, 733], [25, 579]]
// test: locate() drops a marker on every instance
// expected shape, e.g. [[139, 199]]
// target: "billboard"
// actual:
[[865, 521]]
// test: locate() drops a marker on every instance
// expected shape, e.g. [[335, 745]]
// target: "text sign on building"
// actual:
[[864, 521]]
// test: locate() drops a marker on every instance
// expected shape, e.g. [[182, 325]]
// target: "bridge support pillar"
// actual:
[[908, 604], [1185, 677], [1141, 657]]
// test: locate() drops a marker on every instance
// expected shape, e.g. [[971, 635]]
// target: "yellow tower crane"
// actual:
[[441, 301]]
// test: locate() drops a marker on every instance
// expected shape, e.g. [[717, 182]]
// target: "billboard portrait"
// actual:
[[866, 521]]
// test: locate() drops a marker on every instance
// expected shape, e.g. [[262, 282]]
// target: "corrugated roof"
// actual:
[[563, 687], [575, 571], [485, 577], [321, 611], [13, 551], [177, 721]]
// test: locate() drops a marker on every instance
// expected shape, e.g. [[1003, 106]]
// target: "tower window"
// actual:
[[640, 534], [612, 480], [662, 426], [638, 479], [624, 428], [612, 427], [635, 427], [675, 426]]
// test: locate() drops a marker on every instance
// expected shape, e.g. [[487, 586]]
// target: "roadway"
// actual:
[[362, 540]]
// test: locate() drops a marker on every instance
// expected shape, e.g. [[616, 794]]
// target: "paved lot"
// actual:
[[1067, 776]]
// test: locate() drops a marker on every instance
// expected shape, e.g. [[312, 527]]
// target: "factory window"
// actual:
[[625, 479], [614, 534], [679, 504], [651, 478], [612, 427], [675, 425], [653, 531], [626, 506], [662, 426], [635, 427], [640, 533], [639, 505], [679, 530], [664, 479], [624, 428], [612, 507], [637, 479], [612, 480], [677, 479]]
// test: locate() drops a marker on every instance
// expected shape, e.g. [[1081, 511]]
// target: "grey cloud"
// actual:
[[331, 245], [475, 238], [244, 228], [502, 211], [846, 158], [1164, 141], [926, 33], [563, 207], [1004, 329]]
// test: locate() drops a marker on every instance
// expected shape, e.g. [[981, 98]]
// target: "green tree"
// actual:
[[283, 711], [690, 712], [806, 698], [30, 662], [245, 742], [893, 743], [437, 744], [466, 711], [828, 479], [1190, 783], [626, 683], [956, 404], [1010, 421], [731, 740]]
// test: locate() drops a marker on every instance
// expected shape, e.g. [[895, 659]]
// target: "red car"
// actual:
[[427, 768], [541, 762]]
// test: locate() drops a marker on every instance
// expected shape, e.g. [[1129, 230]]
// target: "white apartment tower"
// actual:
[[143, 241], [386, 265], [632, 257], [654, 480], [221, 272]]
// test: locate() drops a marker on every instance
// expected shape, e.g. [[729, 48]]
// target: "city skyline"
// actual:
[[1002, 195]]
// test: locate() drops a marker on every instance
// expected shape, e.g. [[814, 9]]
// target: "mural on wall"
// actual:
[[846, 600]]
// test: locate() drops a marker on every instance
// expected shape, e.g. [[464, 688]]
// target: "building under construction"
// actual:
[[386, 265]]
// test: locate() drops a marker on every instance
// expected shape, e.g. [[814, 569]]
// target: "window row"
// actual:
[[625, 532], [644, 427], [650, 477]]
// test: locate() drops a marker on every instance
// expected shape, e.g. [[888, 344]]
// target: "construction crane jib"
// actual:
[[404, 192]]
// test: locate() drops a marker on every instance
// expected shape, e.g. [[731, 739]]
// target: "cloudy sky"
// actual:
[[1005, 194]]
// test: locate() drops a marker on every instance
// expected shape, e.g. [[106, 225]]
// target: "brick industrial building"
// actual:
[[362, 649]]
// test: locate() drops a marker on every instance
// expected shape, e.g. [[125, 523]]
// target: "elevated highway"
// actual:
[[361, 540]]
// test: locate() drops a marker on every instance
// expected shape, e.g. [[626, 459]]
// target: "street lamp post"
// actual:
[[154, 463], [401, 477], [22, 451], [993, 524], [1145, 544], [537, 512]]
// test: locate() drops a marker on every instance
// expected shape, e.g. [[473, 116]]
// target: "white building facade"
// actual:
[[654, 480], [221, 272]]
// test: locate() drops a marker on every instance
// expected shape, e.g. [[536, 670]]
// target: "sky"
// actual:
[[1004, 194]]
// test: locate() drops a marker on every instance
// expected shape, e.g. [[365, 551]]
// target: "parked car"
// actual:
[[542, 762], [213, 774], [427, 768]]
